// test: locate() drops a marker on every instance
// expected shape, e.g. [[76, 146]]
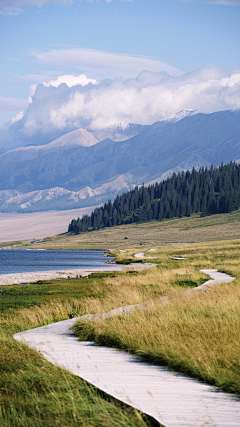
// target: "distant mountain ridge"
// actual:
[[80, 160], [73, 139], [59, 198], [84, 138]]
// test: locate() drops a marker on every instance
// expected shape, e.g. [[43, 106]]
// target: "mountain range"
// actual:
[[84, 168]]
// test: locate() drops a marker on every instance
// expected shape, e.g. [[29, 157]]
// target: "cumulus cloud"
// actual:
[[70, 81], [148, 98], [55, 109], [103, 64]]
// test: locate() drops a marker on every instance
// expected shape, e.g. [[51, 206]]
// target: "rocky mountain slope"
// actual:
[[82, 164]]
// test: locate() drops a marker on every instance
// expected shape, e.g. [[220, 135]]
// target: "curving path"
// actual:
[[171, 398]]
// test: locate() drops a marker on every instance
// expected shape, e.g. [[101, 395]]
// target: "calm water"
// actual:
[[22, 260]]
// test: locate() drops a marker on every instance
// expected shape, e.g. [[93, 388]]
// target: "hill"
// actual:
[[180, 143], [209, 191], [143, 236]]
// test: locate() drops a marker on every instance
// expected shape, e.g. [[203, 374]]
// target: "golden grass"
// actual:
[[34, 392], [197, 335], [127, 289]]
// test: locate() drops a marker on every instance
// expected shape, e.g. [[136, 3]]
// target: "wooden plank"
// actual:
[[171, 398]]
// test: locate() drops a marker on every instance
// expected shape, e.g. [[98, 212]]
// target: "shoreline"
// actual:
[[34, 276]]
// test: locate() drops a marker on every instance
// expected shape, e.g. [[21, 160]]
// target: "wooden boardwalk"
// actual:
[[171, 398]]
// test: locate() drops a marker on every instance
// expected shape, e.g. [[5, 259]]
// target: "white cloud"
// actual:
[[12, 104], [145, 99], [149, 98], [104, 64], [70, 81], [18, 117]]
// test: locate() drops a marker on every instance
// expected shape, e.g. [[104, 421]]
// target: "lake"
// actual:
[[28, 260]]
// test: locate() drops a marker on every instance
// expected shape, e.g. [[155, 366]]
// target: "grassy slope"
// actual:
[[33, 392], [178, 230]]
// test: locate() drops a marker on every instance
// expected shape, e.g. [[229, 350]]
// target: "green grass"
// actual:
[[13, 243], [34, 392], [44, 292]]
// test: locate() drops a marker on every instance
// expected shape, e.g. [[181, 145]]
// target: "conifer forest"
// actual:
[[208, 190]]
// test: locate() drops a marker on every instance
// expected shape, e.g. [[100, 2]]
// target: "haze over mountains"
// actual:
[[84, 168]]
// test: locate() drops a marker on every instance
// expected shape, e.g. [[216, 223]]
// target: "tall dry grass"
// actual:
[[34, 392], [127, 289], [197, 335]]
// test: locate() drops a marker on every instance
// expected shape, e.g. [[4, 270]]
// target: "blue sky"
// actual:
[[45, 39]]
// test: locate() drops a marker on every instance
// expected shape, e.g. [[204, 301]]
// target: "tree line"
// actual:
[[209, 191]]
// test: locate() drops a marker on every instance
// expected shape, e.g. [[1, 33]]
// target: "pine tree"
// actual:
[[209, 191]]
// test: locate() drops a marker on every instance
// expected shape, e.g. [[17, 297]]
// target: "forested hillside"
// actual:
[[209, 191]]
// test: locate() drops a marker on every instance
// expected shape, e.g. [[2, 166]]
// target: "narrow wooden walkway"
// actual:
[[171, 398]]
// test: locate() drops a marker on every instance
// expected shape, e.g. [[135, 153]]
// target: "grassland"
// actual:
[[178, 230], [198, 336], [32, 391]]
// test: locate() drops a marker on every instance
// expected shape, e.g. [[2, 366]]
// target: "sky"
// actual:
[[68, 64]]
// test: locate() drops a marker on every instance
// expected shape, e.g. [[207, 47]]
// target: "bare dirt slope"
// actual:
[[37, 224]]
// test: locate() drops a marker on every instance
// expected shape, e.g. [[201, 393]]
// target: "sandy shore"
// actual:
[[18, 278]]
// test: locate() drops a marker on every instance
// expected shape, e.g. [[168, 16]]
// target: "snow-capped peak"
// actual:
[[181, 114]]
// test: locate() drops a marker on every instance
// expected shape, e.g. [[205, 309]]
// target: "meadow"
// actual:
[[139, 235], [197, 335], [33, 392]]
